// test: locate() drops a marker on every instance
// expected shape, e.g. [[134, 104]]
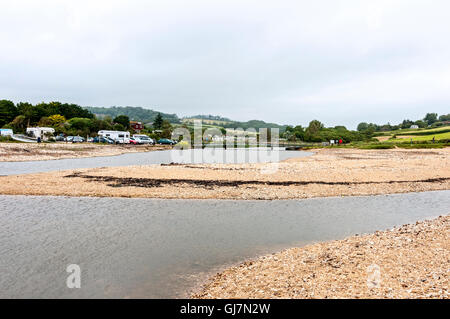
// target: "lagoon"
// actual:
[[150, 248], [259, 155]]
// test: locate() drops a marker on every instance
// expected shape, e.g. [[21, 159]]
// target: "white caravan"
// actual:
[[121, 137], [6, 132]]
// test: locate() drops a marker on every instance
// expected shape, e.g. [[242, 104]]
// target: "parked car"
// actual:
[[60, 138], [100, 139], [166, 141], [69, 138], [119, 137], [109, 140], [143, 139], [77, 139], [120, 140], [133, 141]]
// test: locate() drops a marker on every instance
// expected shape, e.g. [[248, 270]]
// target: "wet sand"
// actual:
[[411, 261], [329, 172], [19, 152]]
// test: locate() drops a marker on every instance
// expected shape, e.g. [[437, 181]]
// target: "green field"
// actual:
[[438, 129], [428, 137], [417, 135], [412, 131]]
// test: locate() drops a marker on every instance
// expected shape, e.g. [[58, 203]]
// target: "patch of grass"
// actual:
[[427, 131], [8, 139], [389, 145], [420, 131]]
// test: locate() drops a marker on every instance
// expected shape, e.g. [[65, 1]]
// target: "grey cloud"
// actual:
[[287, 61]]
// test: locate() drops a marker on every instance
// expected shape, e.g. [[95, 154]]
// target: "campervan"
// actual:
[[42, 133], [120, 137]]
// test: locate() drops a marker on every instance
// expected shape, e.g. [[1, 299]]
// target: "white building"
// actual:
[[414, 126], [121, 137], [40, 132]]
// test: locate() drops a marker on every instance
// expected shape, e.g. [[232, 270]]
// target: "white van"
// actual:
[[120, 137]]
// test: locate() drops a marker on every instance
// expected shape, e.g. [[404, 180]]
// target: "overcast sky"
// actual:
[[341, 62]]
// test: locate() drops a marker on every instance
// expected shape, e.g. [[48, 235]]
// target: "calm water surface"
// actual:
[[161, 248], [260, 155]]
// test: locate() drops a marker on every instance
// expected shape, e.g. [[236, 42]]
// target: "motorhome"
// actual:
[[120, 137], [40, 132]]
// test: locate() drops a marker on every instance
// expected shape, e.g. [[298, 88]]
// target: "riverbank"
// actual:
[[329, 172], [19, 152], [411, 261]]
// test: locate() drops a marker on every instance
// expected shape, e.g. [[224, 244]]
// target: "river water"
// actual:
[[252, 155], [162, 248]]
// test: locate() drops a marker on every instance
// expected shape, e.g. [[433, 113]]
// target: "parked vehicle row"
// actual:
[[108, 137], [78, 139], [117, 137]]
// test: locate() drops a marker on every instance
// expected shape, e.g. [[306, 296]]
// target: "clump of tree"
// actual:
[[22, 115], [69, 119], [294, 133], [431, 118], [317, 132], [158, 123], [8, 112], [166, 129], [121, 123], [162, 128]]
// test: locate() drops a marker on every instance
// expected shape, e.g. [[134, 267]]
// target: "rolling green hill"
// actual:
[[227, 123], [207, 117], [147, 115], [134, 113]]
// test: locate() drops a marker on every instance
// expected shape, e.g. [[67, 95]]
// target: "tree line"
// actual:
[[134, 113], [27, 114], [70, 119], [430, 120], [317, 132]]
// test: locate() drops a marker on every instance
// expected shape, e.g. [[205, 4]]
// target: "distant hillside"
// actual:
[[208, 117], [256, 124], [134, 113], [147, 115], [190, 120]]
